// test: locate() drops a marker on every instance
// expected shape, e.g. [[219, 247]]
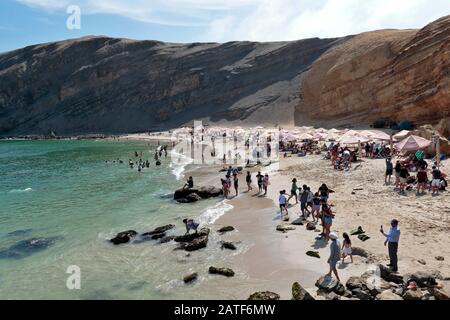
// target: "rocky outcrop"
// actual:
[[190, 277], [387, 74], [300, 293], [227, 272], [193, 241], [124, 237], [186, 195], [110, 85], [264, 295], [225, 229], [24, 248]]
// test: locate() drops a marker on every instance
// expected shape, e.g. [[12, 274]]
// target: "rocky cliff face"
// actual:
[[388, 74], [99, 84]]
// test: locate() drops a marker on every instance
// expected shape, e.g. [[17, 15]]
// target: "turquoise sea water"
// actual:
[[66, 190]]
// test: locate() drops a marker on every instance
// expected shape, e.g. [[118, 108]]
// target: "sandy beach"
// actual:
[[274, 260]]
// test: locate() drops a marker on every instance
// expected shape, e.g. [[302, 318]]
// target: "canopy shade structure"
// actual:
[[412, 143], [305, 136], [289, 137], [380, 135], [353, 137], [402, 135]]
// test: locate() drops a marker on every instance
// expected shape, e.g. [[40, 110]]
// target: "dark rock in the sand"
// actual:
[[388, 295], [311, 226], [327, 284], [225, 229], [357, 231], [264, 295], [284, 228], [203, 193], [228, 245], [356, 283], [191, 277], [422, 279], [356, 251], [159, 230], [123, 237], [329, 295], [298, 222], [363, 237], [24, 248], [388, 275], [166, 239], [422, 262], [413, 294], [314, 254], [299, 293], [440, 258], [191, 236], [19, 233], [227, 272], [361, 295], [439, 294]]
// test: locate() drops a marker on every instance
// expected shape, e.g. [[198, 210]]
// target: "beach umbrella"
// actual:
[[402, 135], [412, 143], [290, 137], [305, 136], [380, 135], [351, 139]]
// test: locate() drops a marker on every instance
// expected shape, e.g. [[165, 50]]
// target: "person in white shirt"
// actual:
[[282, 201]]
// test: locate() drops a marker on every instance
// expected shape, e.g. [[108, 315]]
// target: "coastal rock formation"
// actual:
[[388, 74], [190, 278], [228, 245], [225, 229], [123, 237], [110, 85], [195, 194], [264, 295], [299, 293], [24, 248], [193, 241], [227, 272]]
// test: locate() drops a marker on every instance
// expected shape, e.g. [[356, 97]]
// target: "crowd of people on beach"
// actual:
[[231, 181]]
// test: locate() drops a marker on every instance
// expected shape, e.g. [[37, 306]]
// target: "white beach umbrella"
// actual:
[[412, 143], [305, 136], [402, 135]]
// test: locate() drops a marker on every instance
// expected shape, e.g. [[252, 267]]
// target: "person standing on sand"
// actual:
[[260, 179], [266, 183], [316, 207], [327, 221], [335, 255], [397, 169], [304, 200], [392, 239], [294, 189], [248, 179], [436, 182], [404, 174], [236, 183], [282, 201], [389, 171], [346, 247]]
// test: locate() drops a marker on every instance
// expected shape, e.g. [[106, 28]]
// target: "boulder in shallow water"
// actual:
[[123, 237], [24, 248], [159, 230], [191, 236], [228, 245], [299, 293], [191, 277], [191, 198], [225, 229], [166, 239], [264, 295], [196, 244], [227, 272], [203, 192]]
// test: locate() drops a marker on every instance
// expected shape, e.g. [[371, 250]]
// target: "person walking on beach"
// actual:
[[266, 183], [392, 239], [248, 180], [324, 192], [260, 179], [294, 189], [282, 201], [304, 200], [225, 188], [422, 179], [404, 174], [327, 220], [236, 183], [346, 247], [316, 207], [389, 171], [335, 255]]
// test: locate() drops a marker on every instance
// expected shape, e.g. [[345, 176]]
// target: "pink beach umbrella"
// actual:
[[412, 143]]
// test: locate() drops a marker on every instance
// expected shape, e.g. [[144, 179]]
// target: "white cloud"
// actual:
[[267, 20]]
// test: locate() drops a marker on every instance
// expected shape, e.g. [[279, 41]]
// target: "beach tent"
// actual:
[[412, 143], [305, 136], [352, 139], [402, 135], [289, 137]]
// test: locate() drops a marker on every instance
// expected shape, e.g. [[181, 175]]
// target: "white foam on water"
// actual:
[[179, 163], [211, 214], [21, 191]]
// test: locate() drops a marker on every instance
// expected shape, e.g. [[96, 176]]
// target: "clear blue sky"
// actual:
[[26, 22]]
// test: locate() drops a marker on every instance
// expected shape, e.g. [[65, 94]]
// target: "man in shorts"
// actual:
[[436, 182]]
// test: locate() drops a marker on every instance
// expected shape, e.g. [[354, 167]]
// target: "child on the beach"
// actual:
[[346, 247], [282, 201], [190, 224]]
